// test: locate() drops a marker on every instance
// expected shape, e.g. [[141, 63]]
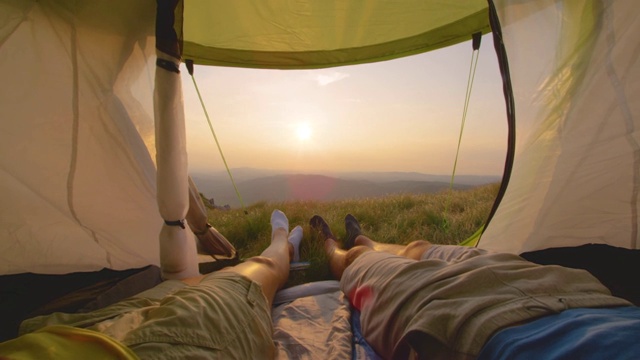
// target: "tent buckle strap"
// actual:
[[167, 65], [175, 223], [206, 230]]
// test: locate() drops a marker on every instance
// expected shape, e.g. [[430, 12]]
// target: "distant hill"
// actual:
[[473, 180], [275, 186]]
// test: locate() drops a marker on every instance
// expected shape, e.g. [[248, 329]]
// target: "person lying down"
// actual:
[[416, 301], [222, 315], [430, 301]]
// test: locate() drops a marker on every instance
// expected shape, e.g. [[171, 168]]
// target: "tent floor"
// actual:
[[617, 268], [26, 295]]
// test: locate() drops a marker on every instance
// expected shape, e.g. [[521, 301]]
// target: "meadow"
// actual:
[[447, 217]]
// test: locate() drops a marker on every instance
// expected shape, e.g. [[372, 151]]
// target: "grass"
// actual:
[[443, 218]]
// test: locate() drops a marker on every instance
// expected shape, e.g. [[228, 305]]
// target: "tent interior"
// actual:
[[94, 181]]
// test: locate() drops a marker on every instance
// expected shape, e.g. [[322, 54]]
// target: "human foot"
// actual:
[[320, 225], [295, 237], [352, 226], [278, 220]]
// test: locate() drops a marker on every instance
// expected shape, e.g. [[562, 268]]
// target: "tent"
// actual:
[[87, 179]]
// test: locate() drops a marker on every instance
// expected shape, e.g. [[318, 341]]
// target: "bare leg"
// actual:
[[413, 250], [340, 259], [271, 268]]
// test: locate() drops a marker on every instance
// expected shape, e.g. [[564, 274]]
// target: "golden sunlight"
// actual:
[[303, 131]]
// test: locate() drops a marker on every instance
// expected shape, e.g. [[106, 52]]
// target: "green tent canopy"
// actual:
[[318, 34]]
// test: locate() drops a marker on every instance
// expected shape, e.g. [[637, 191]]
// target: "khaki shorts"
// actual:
[[455, 298], [226, 316]]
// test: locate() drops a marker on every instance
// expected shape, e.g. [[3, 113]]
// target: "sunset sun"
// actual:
[[303, 132]]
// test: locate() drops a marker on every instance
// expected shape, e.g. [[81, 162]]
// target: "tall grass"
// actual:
[[443, 218]]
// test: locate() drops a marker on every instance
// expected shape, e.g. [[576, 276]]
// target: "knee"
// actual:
[[354, 253], [361, 240], [415, 249], [264, 261], [418, 244]]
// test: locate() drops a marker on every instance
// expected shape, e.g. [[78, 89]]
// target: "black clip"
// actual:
[[167, 65], [476, 37], [175, 223]]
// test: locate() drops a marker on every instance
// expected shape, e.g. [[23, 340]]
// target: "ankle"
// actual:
[[279, 232]]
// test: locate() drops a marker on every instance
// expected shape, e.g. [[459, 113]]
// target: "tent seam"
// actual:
[[75, 129], [627, 117]]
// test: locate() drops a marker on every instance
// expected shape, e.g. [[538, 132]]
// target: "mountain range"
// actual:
[[256, 185]]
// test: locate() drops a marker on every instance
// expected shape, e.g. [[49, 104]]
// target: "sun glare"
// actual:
[[303, 132]]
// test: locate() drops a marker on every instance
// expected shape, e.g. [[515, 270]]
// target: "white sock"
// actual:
[[278, 220], [295, 237]]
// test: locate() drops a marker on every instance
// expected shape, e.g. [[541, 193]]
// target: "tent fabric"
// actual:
[[575, 79], [77, 181], [317, 34], [210, 240]]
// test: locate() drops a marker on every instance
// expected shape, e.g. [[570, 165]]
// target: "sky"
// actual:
[[397, 115]]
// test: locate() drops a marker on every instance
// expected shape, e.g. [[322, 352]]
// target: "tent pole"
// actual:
[[178, 254], [503, 63]]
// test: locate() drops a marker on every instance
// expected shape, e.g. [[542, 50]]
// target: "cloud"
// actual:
[[328, 78]]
